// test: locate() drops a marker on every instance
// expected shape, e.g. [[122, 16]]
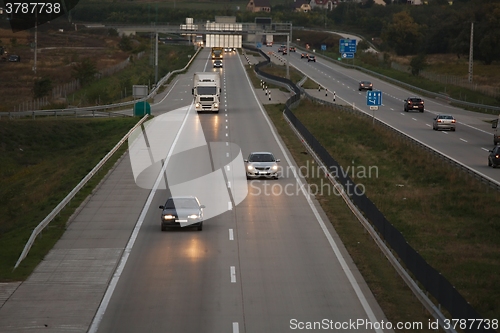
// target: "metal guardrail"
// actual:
[[72, 194], [421, 296], [38, 229], [93, 110]]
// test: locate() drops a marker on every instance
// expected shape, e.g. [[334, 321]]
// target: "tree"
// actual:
[[125, 44], [417, 63], [42, 87], [85, 71], [402, 34]]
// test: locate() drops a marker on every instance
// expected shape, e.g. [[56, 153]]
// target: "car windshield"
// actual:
[[181, 203], [261, 158], [415, 100]]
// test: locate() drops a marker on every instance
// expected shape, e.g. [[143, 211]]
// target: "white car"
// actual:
[[218, 64], [261, 164]]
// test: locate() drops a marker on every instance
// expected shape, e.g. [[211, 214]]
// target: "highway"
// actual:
[[468, 145], [257, 267], [270, 263]]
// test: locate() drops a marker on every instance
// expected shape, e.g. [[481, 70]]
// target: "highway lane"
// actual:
[[253, 268], [468, 145]]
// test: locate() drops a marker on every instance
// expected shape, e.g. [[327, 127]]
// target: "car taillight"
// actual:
[[439, 120], [497, 156]]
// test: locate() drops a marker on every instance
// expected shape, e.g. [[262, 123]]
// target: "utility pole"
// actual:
[[36, 40], [471, 49], [288, 55], [156, 59]]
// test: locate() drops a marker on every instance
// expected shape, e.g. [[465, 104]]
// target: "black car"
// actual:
[[311, 58], [365, 85], [494, 157], [14, 58], [303, 55], [182, 212], [413, 103]]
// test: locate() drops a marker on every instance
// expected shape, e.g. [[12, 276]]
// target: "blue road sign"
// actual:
[[323, 47], [347, 55], [347, 46], [374, 98], [259, 45]]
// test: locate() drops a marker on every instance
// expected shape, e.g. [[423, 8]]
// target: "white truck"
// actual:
[[206, 91], [269, 40]]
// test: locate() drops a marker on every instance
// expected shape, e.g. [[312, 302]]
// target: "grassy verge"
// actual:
[[394, 297], [448, 217], [41, 162], [112, 89]]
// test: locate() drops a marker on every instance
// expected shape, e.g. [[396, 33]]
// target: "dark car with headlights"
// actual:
[[494, 157], [14, 58], [181, 212], [311, 58], [261, 164], [413, 103], [365, 85]]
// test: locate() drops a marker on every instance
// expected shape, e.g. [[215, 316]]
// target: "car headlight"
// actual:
[[193, 216], [274, 167], [198, 105], [168, 217], [216, 105], [250, 167]]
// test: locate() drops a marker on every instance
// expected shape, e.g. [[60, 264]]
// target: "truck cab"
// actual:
[[206, 91]]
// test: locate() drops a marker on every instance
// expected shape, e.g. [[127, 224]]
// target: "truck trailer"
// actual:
[[206, 91]]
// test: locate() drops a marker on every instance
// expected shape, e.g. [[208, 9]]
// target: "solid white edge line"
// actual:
[[229, 205], [336, 250], [119, 270]]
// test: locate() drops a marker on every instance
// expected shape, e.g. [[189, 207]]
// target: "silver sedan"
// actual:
[[261, 164], [444, 121]]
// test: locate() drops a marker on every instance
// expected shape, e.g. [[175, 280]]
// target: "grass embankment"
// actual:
[[41, 162], [448, 217], [112, 89]]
